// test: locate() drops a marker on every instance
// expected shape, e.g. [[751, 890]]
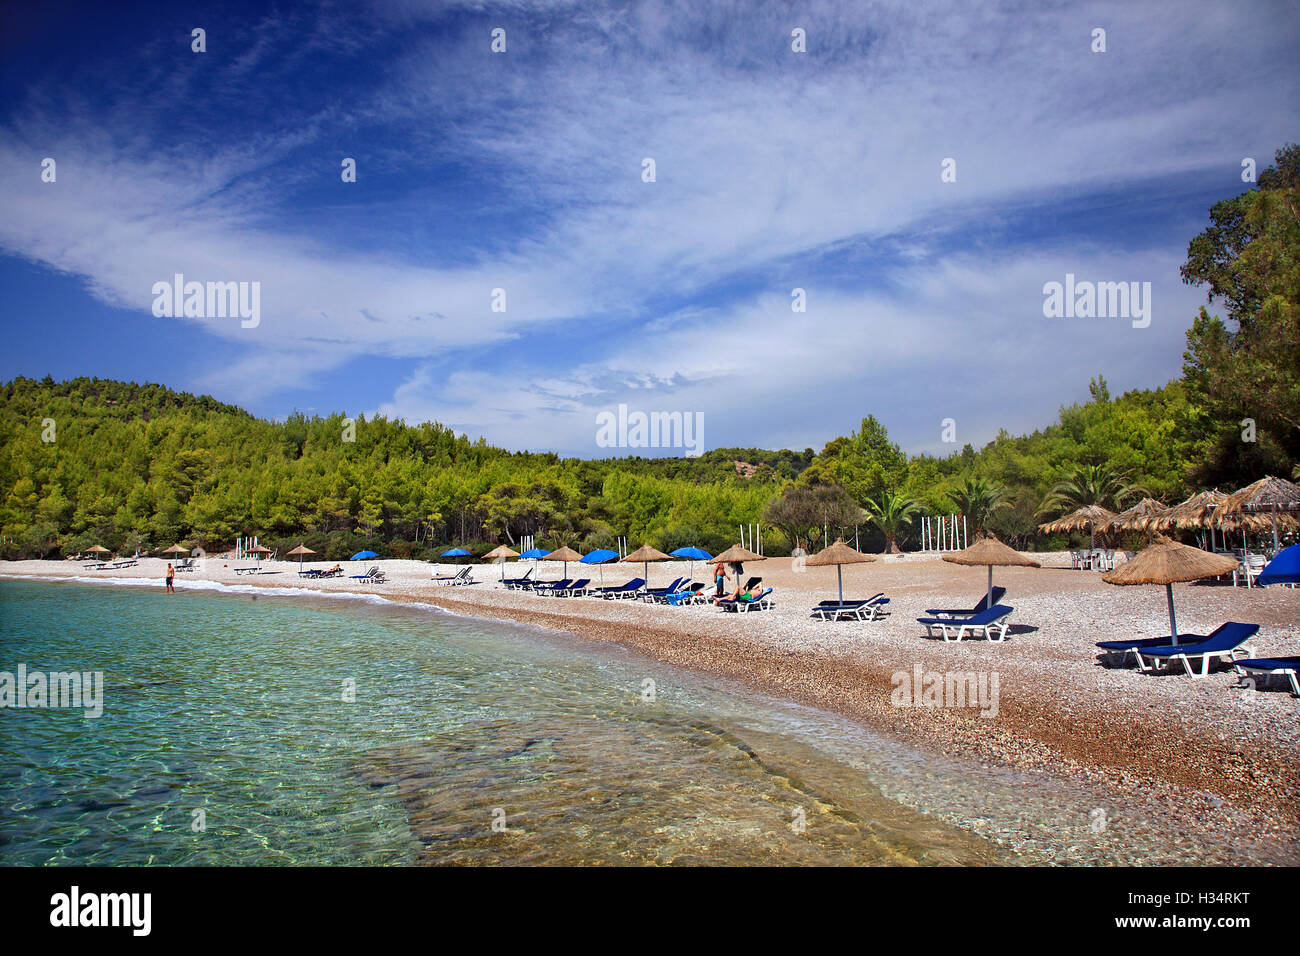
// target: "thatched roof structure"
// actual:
[[1135, 518], [500, 553], [1194, 513], [1267, 494], [1082, 519]]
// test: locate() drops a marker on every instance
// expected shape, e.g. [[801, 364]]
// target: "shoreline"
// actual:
[[1235, 768]]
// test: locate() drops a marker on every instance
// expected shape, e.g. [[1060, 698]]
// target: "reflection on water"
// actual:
[[228, 737]]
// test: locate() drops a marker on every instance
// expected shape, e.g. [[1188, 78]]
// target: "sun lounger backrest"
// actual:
[[998, 594], [1225, 637], [995, 613]]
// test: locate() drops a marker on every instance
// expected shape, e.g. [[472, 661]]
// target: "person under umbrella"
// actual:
[[735, 555]]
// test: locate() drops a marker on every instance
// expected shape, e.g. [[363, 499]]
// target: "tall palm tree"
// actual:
[[892, 513], [1090, 485], [977, 498]]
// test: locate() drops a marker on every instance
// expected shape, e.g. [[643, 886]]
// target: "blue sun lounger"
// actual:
[[545, 587], [1288, 667], [524, 581], [1117, 652], [998, 594], [997, 618], [692, 594], [759, 602], [1224, 644], [460, 577], [576, 589], [658, 594], [865, 610], [621, 591]]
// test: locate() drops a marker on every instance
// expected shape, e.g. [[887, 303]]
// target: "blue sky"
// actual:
[[522, 170]]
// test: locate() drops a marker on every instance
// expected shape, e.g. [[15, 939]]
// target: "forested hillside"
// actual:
[[135, 467]]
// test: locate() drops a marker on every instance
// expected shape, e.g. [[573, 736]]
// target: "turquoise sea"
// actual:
[[228, 737]]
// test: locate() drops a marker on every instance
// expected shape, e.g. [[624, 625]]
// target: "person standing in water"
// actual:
[[171, 578]]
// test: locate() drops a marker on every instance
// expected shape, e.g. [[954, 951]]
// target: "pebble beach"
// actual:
[[1223, 755]]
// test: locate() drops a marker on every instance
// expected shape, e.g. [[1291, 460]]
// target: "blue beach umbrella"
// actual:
[[1283, 569], [600, 556], [536, 554], [692, 555], [362, 555], [455, 553]]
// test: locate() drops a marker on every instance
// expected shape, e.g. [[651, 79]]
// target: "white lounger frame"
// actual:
[[1292, 674], [954, 631], [873, 609], [1228, 657]]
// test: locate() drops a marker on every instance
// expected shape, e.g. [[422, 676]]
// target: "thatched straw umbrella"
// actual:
[[98, 549], [1086, 518], [989, 550], [1135, 518], [1168, 562], [259, 550], [645, 554], [1266, 495], [500, 553], [838, 554], [737, 554], [301, 550], [565, 554], [176, 549]]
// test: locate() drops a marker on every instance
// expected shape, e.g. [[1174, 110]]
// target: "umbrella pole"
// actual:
[[839, 571], [1275, 529], [990, 591], [1173, 621]]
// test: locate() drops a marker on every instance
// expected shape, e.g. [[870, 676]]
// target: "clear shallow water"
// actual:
[[232, 704]]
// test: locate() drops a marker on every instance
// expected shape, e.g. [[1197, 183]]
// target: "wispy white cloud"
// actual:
[[764, 158]]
